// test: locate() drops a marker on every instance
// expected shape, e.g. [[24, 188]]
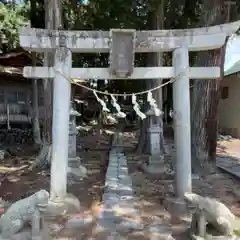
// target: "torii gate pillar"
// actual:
[[182, 124], [60, 129]]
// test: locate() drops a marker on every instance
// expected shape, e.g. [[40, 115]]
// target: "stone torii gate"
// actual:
[[122, 45]]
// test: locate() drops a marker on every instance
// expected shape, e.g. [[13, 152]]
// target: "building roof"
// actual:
[[235, 68], [14, 54], [9, 70], [12, 64]]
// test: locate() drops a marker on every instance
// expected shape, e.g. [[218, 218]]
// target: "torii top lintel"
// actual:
[[196, 39]]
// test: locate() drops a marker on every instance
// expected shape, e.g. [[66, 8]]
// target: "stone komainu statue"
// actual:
[[22, 212], [212, 212]]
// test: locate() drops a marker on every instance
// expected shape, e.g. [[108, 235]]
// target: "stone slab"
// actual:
[[193, 237], [175, 206], [229, 165], [76, 221], [160, 231], [118, 200]]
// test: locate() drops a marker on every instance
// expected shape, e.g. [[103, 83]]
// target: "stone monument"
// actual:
[[155, 163], [76, 171], [72, 147]]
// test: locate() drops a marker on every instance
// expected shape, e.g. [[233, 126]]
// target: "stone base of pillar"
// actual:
[[57, 207], [74, 162], [157, 166], [176, 207], [76, 171]]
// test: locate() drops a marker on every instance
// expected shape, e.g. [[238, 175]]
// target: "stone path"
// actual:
[[118, 210], [228, 156], [230, 164]]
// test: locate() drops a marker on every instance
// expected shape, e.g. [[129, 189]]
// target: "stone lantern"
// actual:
[[72, 148], [156, 158], [155, 132]]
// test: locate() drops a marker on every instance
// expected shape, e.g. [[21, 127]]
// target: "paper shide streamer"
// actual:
[[120, 114], [136, 107], [94, 83], [104, 107], [78, 101], [152, 103]]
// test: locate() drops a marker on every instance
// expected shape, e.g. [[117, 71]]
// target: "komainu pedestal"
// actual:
[[212, 220]]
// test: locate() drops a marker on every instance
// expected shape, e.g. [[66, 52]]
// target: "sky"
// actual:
[[232, 52]]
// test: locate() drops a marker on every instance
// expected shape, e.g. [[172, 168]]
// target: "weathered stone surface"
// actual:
[[125, 225], [25, 235], [75, 162], [77, 173], [21, 212], [157, 169], [2, 154], [211, 211], [76, 221], [194, 237], [118, 198], [55, 228], [175, 206], [70, 204], [229, 165], [37, 225]]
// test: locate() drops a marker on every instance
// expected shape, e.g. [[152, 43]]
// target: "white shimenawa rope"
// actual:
[[136, 107], [75, 81]]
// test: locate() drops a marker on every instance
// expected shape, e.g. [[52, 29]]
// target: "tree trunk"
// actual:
[[57, 21], [53, 20], [35, 115], [36, 127], [47, 83], [205, 99], [156, 21]]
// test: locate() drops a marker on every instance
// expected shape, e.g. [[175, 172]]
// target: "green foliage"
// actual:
[[10, 20]]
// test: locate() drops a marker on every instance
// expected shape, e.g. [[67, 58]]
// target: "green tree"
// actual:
[[10, 21]]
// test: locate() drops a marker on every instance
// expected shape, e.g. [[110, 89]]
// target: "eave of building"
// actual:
[[9, 70], [233, 70]]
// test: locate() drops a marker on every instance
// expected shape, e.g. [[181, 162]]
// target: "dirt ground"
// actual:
[[151, 193], [228, 147], [21, 182]]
